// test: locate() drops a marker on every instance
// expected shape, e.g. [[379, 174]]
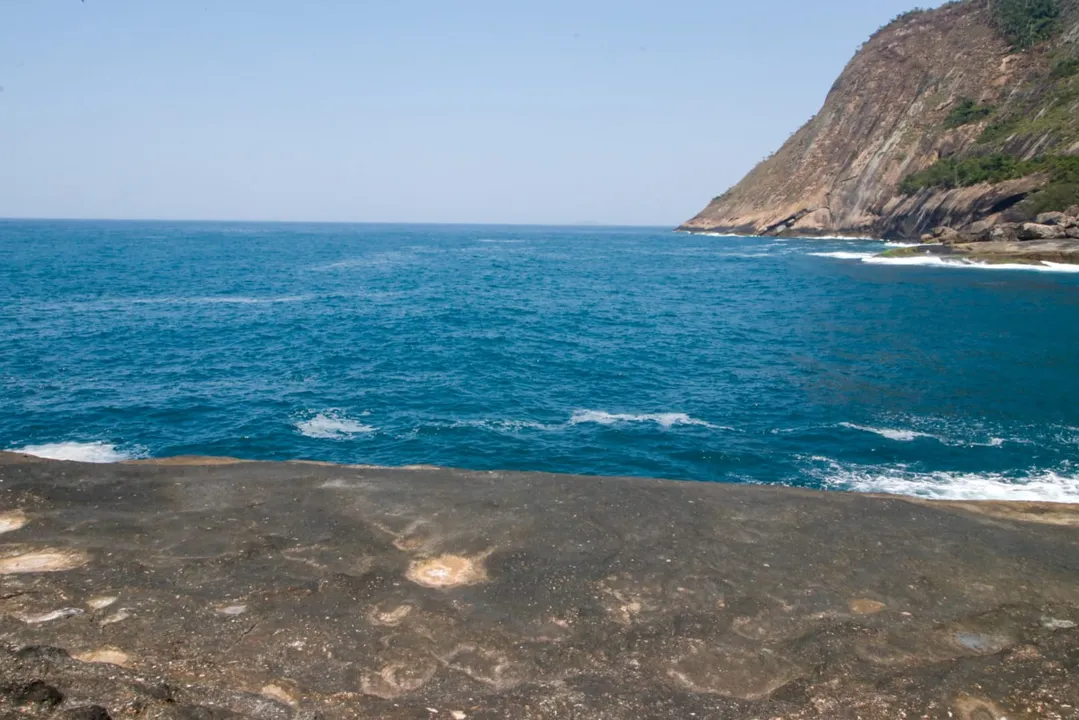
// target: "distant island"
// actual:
[[945, 118]]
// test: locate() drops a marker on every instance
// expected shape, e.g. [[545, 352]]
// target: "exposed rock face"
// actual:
[[295, 591], [1052, 239], [1034, 231], [884, 119], [999, 249], [1054, 218]]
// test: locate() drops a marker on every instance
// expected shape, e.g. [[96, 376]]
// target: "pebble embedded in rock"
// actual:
[[11, 521], [118, 616], [390, 618], [278, 693], [106, 656], [61, 614], [233, 610], [101, 602], [41, 561], [446, 571], [865, 606]]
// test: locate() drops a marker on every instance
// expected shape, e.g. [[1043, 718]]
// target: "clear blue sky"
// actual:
[[553, 111]]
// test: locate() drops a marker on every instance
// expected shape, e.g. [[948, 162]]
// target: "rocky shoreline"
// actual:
[[210, 588], [1052, 237]]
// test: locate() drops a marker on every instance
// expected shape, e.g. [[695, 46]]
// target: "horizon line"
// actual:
[[5, 218]]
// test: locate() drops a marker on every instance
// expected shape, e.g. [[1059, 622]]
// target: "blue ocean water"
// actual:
[[606, 351]]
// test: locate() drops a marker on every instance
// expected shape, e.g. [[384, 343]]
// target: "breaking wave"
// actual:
[[584, 417], [900, 435], [332, 425], [1034, 486], [666, 420], [842, 255], [937, 261], [92, 452]]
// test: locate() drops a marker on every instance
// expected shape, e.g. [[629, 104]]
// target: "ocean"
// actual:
[[587, 350]]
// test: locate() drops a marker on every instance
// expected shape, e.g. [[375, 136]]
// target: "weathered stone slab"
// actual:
[[287, 590]]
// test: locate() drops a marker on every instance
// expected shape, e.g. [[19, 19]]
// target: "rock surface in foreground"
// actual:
[[302, 591]]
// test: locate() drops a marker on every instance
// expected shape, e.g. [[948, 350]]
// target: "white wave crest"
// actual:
[[666, 420], [94, 452], [1048, 266], [906, 435], [1035, 486], [937, 261], [843, 255], [332, 425], [900, 435]]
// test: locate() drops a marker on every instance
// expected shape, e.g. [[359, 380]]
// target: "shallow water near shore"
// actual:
[[604, 351]]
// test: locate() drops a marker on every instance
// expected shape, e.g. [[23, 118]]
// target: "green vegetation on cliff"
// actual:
[[1060, 192], [953, 173], [1055, 197], [966, 112], [1026, 23], [1030, 132], [1065, 68]]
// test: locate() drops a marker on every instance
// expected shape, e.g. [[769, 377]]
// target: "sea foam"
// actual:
[[666, 420], [332, 425], [937, 261], [512, 426], [842, 255], [1033, 486], [891, 434], [948, 435], [93, 452]]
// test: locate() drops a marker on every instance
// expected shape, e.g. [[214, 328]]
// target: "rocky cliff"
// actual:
[[931, 86]]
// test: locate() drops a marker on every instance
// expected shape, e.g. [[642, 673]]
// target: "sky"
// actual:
[[471, 111]]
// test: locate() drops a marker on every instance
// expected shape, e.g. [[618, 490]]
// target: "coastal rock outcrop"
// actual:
[[1034, 231], [1054, 237], [296, 591], [940, 119]]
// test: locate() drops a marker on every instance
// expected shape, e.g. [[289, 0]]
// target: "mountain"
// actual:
[[944, 117]]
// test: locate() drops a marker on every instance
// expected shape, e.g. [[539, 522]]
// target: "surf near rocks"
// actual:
[[1052, 238]]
